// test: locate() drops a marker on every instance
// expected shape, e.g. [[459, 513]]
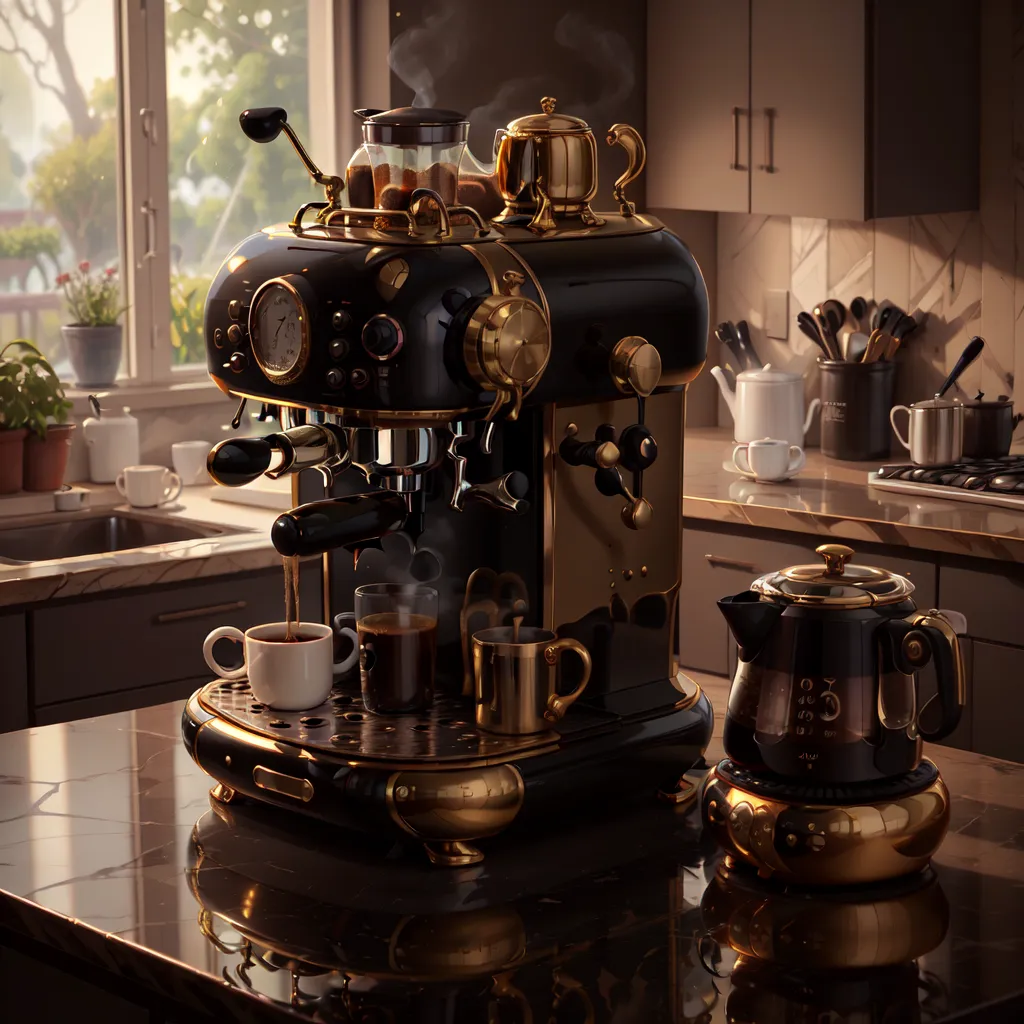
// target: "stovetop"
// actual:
[[990, 481]]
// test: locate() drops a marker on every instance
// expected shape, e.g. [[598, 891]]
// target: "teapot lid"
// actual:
[[836, 584], [548, 122], [767, 374]]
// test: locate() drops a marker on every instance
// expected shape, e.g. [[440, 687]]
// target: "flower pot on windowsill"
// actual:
[[46, 458], [95, 353], [12, 460]]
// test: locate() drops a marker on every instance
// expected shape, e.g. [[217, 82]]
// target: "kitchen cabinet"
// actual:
[[13, 673], [997, 712], [843, 110]]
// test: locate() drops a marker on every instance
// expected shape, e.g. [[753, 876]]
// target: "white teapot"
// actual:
[[113, 443], [767, 403]]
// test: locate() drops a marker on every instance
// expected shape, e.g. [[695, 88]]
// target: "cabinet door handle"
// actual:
[[200, 613], [721, 562], [769, 142], [736, 165]]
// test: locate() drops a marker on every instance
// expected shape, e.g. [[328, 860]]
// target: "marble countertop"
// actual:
[[111, 851], [832, 498], [245, 549]]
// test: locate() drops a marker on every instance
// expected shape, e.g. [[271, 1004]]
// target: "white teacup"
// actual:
[[189, 460], [768, 459], [148, 486], [286, 676]]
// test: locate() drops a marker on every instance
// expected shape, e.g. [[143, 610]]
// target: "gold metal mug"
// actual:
[[515, 682]]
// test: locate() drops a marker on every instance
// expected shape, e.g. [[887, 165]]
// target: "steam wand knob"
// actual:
[[637, 513], [601, 453]]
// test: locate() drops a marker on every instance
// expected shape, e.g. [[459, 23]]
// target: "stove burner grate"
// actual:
[[1004, 475]]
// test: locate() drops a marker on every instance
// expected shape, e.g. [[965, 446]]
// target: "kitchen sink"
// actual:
[[67, 535]]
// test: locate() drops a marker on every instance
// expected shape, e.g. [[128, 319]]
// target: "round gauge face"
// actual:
[[279, 327]]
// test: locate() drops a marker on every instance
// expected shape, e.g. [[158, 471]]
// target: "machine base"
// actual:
[[846, 835], [434, 777]]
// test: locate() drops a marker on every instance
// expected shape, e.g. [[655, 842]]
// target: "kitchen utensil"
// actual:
[[148, 486], [827, 334], [725, 334], [969, 354], [289, 675], [878, 345], [856, 346], [835, 313], [768, 459], [747, 346], [935, 431], [855, 402], [516, 691], [94, 404], [989, 427], [189, 461], [903, 327], [767, 403], [809, 326], [112, 443], [826, 691], [859, 310]]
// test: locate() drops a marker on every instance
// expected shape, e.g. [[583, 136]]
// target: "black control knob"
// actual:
[[359, 378], [338, 349], [341, 320], [239, 460], [235, 309], [383, 337], [601, 453], [638, 448], [263, 124], [238, 362], [335, 378], [235, 335]]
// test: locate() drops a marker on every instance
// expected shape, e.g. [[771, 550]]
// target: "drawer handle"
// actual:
[[285, 785], [730, 563], [200, 613]]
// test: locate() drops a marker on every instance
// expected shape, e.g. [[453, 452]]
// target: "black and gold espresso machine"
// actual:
[[496, 408]]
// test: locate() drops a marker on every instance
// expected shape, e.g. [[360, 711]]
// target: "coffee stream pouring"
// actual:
[[481, 400]]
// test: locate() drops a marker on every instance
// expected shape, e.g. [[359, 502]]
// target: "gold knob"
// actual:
[[507, 342], [638, 514], [836, 556], [547, 104], [607, 455], [635, 366]]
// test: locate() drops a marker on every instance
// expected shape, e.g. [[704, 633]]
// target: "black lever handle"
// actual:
[[263, 124], [239, 460], [338, 522], [969, 354], [601, 453]]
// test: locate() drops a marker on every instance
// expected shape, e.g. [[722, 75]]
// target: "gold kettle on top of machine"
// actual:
[[546, 168]]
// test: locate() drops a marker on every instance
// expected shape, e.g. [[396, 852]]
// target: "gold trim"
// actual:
[[284, 785], [632, 142], [295, 371], [934, 618]]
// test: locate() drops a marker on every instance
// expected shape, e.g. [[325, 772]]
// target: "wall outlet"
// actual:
[[776, 313]]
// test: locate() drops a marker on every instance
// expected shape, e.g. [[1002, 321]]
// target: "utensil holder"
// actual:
[[855, 403]]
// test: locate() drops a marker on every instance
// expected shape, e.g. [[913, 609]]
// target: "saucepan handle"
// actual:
[[558, 705]]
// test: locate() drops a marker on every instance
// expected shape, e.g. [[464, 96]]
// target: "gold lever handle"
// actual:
[[558, 705], [629, 139]]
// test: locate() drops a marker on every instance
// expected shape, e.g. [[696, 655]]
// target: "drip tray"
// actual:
[[446, 734]]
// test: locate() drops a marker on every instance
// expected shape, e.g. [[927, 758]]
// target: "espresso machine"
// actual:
[[493, 407]]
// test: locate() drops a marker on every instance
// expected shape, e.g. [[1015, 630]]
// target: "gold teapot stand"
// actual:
[[837, 835], [434, 777]]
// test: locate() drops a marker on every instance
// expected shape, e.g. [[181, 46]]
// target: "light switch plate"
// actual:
[[776, 313]]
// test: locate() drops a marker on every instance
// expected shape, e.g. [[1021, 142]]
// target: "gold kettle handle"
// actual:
[[558, 705], [629, 139]]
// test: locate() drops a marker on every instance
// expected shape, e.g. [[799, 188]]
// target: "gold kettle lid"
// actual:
[[836, 583], [547, 122]]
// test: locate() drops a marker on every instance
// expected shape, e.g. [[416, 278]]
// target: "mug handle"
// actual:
[[558, 705], [350, 659], [172, 489], [896, 430], [222, 633], [741, 449], [797, 459], [119, 484]]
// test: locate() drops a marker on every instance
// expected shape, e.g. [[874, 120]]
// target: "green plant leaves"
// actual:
[[31, 393]]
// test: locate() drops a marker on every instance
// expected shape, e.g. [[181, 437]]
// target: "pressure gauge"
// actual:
[[279, 328]]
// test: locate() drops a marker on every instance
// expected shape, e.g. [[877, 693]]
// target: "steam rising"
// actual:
[[433, 41]]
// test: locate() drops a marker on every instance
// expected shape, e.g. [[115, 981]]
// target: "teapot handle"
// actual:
[[949, 671], [629, 139]]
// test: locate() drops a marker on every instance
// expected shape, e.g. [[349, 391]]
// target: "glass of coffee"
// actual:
[[397, 627]]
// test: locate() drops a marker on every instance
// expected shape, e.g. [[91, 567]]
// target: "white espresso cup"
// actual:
[[768, 459], [148, 486], [287, 676], [189, 461]]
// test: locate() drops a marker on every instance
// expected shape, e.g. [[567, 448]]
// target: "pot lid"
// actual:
[[979, 401], [768, 375], [414, 126], [548, 122], [936, 403], [836, 583]]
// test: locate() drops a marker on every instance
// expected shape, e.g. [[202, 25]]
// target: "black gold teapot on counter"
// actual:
[[826, 688]]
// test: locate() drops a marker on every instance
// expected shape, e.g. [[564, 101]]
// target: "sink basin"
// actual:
[[71, 534]]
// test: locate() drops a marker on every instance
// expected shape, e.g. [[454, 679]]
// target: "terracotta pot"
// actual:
[[95, 353], [12, 460], [46, 458]]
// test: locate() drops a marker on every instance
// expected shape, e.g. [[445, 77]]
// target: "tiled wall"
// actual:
[[964, 270]]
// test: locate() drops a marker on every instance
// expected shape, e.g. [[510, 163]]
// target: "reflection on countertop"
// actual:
[[110, 849], [175, 562], [831, 498]]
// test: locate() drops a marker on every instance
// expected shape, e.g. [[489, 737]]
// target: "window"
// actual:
[[119, 145]]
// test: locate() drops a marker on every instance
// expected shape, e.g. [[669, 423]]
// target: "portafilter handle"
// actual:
[[240, 460], [354, 521]]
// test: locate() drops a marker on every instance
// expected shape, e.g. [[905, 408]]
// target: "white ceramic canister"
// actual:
[[113, 443]]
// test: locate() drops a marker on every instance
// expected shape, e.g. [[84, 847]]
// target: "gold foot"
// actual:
[[453, 854], [685, 794], [225, 794]]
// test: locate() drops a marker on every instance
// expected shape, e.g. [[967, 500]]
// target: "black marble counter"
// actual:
[[122, 889]]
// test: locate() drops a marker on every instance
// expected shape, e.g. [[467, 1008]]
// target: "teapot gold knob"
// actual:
[[836, 556], [547, 104]]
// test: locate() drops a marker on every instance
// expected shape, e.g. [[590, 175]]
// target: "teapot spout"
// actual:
[[751, 621], [727, 392]]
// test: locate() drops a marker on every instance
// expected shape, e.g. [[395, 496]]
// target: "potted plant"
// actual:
[[35, 436], [93, 338]]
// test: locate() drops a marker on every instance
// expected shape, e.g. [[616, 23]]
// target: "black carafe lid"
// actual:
[[414, 126]]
